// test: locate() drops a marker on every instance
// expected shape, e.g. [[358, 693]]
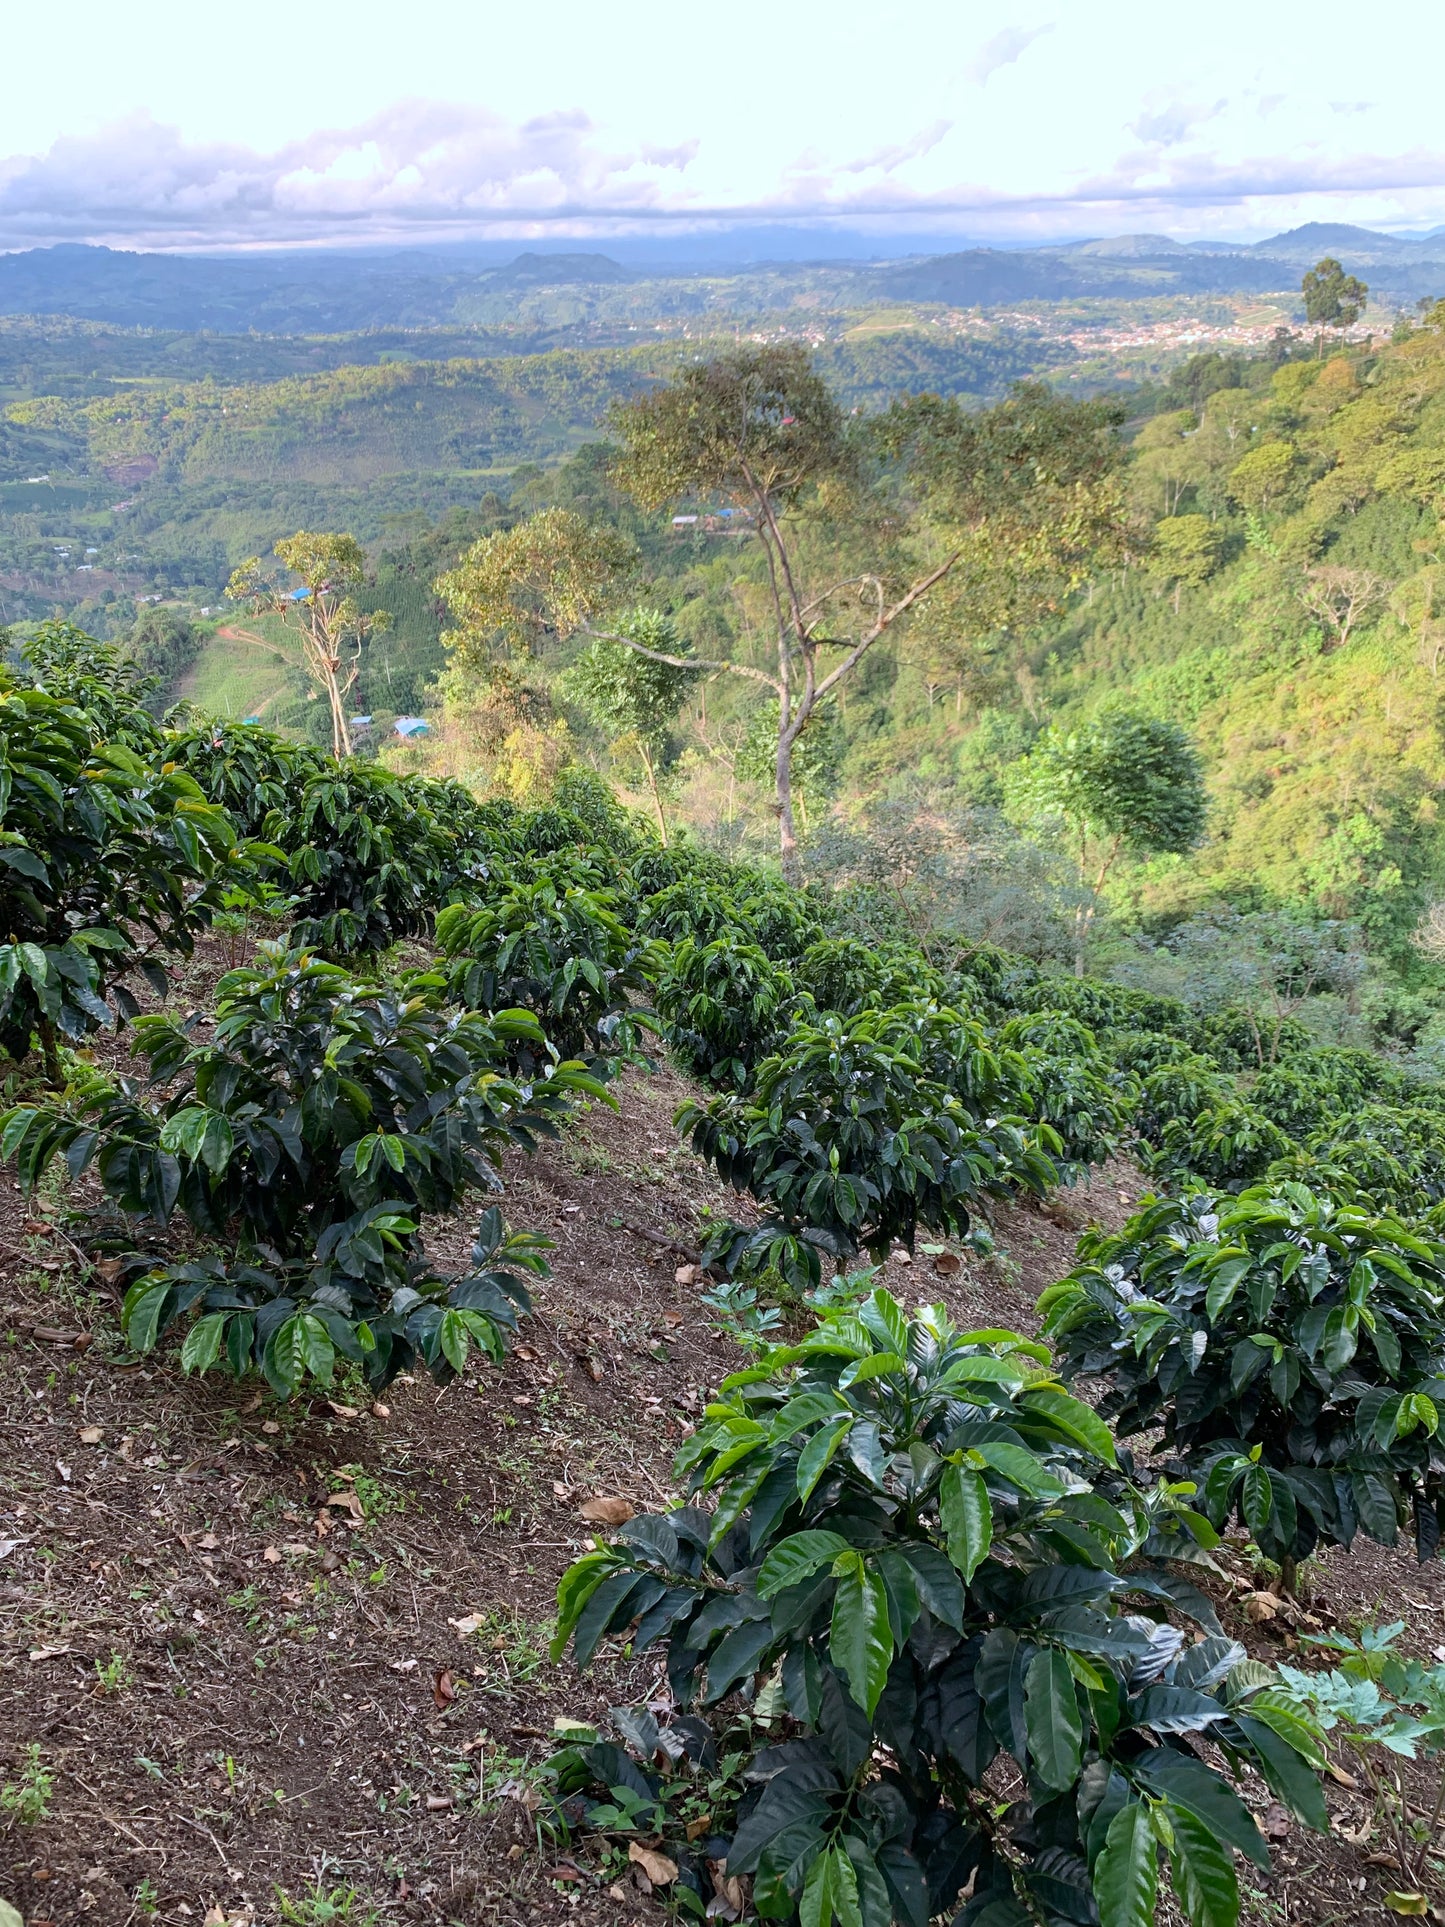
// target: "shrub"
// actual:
[[910, 1566], [842, 974], [107, 866], [1229, 1143], [1071, 1085], [1291, 1349], [850, 1145], [1183, 1088], [369, 860], [1239, 1041], [307, 1138], [1145, 1051], [560, 952], [247, 770], [725, 1008], [692, 908], [111, 690]]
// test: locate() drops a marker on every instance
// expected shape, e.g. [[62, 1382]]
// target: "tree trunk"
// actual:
[[787, 833], [49, 1052], [647, 764]]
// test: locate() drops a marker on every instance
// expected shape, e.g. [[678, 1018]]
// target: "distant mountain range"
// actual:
[[341, 291]]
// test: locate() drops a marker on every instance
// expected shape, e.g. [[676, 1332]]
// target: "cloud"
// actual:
[[887, 158], [1003, 50], [1174, 123], [420, 164], [433, 170]]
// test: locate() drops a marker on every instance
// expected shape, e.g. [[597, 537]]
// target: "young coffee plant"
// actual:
[[109, 866], [368, 858], [844, 975], [1291, 1349], [560, 952], [905, 1550], [306, 1139], [848, 1145], [1071, 1085], [724, 1007]]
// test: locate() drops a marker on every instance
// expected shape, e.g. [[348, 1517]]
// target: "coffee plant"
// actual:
[[109, 866], [1289, 1347], [561, 953], [848, 1145], [905, 1551], [305, 1140]]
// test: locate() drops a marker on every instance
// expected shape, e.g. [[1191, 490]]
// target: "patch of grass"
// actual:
[[324, 1907], [28, 1797], [514, 1648]]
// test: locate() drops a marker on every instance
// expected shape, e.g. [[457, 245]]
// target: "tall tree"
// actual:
[[322, 611], [1333, 299], [634, 698], [1124, 783], [1008, 506]]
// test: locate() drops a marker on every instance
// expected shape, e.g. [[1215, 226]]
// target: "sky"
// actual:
[[303, 122]]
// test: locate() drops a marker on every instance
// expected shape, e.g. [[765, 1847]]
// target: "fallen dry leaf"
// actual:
[[444, 1691], [1275, 1823], [1260, 1607], [378, 1410], [271, 1556], [902, 1257], [687, 1275], [270, 1427], [602, 1511], [49, 1652], [208, 1542], [347, 1502], [1339, 1775], [344, 1411], [403, 1665], [659, 1869], [564, 1870], [469, 1624], [697, 1828], [947, 1262], [91, 1434], [438, 1802]]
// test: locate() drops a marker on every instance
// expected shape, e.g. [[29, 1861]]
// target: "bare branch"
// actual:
[[682, 662], [885, 621]]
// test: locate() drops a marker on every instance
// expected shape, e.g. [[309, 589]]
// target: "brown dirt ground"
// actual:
[[230, 1626]]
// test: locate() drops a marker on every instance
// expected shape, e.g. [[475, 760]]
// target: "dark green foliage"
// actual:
[[109, 865], [307, 1138], [847, 1140], [248, 770], [1145, 1051], [561, 953], [369, 860], [1072, 1086], [691, 907], [1227, 1144], [1183, 1086], [919, 1535], [842, 974], [725, 1008], [99, 680], [1290, 1348], [1239, 1041]]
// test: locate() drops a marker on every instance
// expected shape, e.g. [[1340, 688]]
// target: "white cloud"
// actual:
[[420, 164], [1003, 50]]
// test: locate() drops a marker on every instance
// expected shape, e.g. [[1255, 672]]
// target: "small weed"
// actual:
[[514, 1647], [115, 1675], [147, 1900], [321, 1908], [28, 1797], [737, 1313]]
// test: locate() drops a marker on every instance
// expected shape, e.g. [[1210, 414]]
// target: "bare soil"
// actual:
[[273, 1652]]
